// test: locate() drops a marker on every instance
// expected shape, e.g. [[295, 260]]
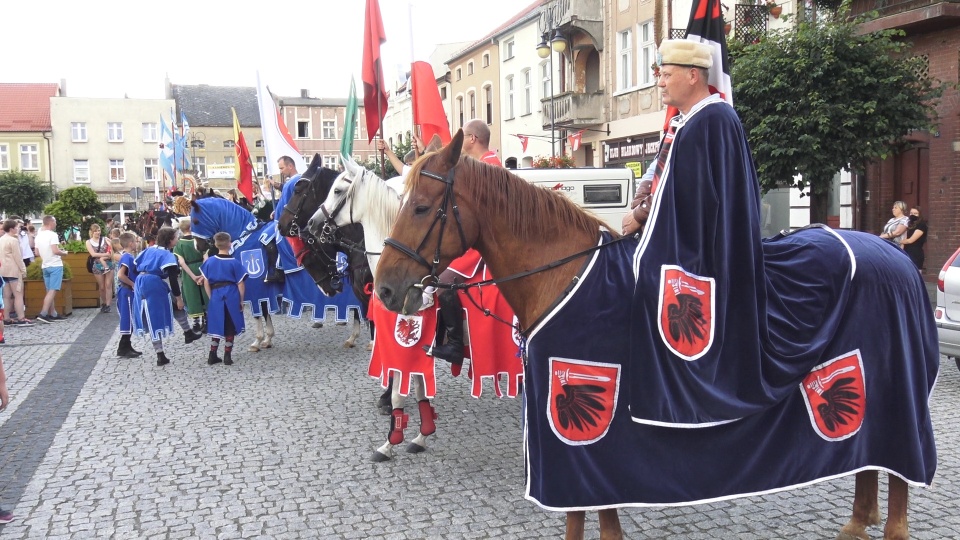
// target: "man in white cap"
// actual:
[[700, 258]]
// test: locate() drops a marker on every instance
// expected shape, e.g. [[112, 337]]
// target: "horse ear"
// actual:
[[194, 205], [434, 145], [452, 151], [349, 164], [315, 162]]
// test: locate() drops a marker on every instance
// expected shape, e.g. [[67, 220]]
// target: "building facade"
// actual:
[[26, 132], [111, 146], [317, 127]]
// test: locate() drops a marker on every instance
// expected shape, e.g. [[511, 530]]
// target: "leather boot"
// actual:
[[228, 358], [398, 421], [274, 274], [212, 358], [191, 336], [125, 349], [451, 316], [162, 359], [427, 416]]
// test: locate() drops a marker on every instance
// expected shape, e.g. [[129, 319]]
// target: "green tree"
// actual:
[[821, 97], [22, 194], [76, 207]]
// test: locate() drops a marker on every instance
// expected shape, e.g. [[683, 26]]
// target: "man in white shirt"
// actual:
[[25, 243], [48, 247]]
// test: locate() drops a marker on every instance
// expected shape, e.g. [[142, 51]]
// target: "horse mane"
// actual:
[[532, 211], [381, 201]]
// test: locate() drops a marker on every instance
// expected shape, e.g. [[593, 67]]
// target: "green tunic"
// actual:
[[194, 296]]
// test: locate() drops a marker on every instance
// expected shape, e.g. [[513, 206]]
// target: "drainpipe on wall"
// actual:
[[47, 136]]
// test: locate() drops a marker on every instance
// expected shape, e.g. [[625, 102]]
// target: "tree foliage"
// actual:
[[821, 97], [75, 207], [22, 194]]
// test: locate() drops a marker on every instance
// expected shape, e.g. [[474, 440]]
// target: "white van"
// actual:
[[606, 193]]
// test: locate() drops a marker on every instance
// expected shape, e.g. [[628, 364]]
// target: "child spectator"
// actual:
[[156, 294], [223, 280], [194, 294], [127, 276]]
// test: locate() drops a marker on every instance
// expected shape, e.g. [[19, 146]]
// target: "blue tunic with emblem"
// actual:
[[153, 304], [224, 300], [125, 295]]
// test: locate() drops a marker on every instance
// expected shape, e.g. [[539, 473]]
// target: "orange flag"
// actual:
[[243, 167], [374, 93], [428, 112]]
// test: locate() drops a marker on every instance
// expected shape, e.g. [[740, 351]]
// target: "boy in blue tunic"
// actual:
[[126, 275], [156, 294], [223, 280]]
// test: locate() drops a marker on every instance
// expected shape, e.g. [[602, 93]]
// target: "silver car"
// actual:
[[947, 313]]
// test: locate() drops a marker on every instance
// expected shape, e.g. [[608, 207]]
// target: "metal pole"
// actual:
[[553, 133]]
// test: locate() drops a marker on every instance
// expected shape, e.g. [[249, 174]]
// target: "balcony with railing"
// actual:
[[750, 22], [908, 15], [568, 15], [573, 110]]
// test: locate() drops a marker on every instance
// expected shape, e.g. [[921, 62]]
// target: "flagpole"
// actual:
[[376, 75]]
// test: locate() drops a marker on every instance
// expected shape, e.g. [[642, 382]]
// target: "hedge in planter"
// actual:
[[34, 290]]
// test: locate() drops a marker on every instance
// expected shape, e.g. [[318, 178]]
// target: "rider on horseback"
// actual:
[[288, 171]]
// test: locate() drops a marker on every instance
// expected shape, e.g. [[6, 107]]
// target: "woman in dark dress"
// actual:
[[916, 237]]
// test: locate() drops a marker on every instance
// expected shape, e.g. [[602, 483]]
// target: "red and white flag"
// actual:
[[523, 142], [277, 141], [374, 93], [574, 140], [706, 26]]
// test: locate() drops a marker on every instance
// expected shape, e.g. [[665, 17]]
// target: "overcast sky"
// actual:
[[112, 48]]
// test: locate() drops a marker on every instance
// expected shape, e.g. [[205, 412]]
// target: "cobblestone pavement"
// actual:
[[278, 446]]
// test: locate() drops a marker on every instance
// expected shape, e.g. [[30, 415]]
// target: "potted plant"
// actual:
[[556, 162], [86, 293], [773, 8], [34, 290]]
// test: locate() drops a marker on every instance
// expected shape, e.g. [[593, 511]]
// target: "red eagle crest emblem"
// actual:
[[836, 397], [583, 398], [408, 330], [686, 312]]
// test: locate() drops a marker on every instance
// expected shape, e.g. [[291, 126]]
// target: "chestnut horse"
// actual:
[[551, 247]]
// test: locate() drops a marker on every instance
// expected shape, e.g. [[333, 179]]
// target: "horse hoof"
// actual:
[[349, 345], [268, 346], [370, 347], [414, 448], [253, 348], [379, 457], [843, 535], [386, 410]]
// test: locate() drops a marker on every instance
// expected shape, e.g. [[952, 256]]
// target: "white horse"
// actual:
[[360, 196]]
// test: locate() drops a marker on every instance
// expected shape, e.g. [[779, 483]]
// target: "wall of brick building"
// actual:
[[942, 205]]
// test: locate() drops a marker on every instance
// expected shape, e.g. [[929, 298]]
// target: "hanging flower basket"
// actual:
[[773, 8]]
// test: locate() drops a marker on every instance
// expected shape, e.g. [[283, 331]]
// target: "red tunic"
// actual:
[[398, 347]]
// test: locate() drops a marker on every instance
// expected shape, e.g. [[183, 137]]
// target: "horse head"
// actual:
[[310, 190], [210, 215], [435, 225]]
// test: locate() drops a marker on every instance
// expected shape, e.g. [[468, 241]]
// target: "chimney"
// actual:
[[304, 93], [63, 87]]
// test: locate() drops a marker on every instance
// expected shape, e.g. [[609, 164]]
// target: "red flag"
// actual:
[[574, 140], [428, 112], [243, 166], [523, 141], [706, 26], [374, 93]]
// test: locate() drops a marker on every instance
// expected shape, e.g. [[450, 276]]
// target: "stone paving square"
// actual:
[[278, 446]]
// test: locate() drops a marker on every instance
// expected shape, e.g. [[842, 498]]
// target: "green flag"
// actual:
[[349, 122]]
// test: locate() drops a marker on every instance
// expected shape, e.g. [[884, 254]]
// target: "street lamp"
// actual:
[[197, 140], [545, 50]]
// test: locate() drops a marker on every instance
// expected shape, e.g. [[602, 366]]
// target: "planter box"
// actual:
[[86, 294], [34, 291]]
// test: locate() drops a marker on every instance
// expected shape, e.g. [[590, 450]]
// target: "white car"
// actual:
[[947, 313]]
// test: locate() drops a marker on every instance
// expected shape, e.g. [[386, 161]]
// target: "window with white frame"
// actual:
[[258, 144], [262, 165], [78, 131], [200, 162], [118, 173], [115, 131], [509, 106], [508, 50], [330, 162], [30, 157], [303, 129], [356, 130], [151, 170], [329, 129], [229, 143], [229, 160], [545, 79], [81, 171], [473, 104], [527, 92], [460, 110], [4, 157], [150, 131], [486, 60], [470, 67], [625, 60], [459, 73], [648, 54], [488, 104]]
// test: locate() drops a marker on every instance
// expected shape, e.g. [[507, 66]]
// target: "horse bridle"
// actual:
[[449, 199], [310, 241], [294, 226]]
